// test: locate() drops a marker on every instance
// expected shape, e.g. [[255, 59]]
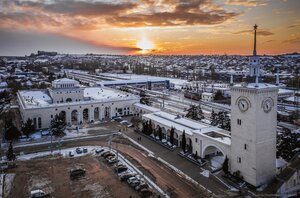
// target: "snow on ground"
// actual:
[[37, 182], [217, 161], [280, 163], [9, 178], [205, 173]]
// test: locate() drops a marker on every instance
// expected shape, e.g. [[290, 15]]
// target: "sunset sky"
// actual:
[[149, 26]]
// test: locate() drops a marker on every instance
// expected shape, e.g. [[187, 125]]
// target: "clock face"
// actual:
[[267, 106], [243, 105]]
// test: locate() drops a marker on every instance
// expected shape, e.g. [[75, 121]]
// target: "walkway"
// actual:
[[184, 165]]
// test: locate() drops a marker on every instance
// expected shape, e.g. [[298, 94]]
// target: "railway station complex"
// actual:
[[250, 146]]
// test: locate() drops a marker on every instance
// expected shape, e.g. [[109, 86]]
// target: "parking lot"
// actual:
[[53, 176]]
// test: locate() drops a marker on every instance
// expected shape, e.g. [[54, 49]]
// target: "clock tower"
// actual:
[[253, 129]]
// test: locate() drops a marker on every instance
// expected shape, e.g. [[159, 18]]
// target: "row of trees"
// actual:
[[221, 120], [147, 129], [12, 133], [195, 113]]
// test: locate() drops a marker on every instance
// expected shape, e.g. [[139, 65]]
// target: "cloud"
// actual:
[[292, 40], [259, 32], [68, 13], [247, 3]]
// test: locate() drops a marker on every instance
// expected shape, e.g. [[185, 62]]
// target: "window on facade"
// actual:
[[245, 146], [40, 122], [51, 116], [34, 122], [239, 160], [239, 121], [196, 140]]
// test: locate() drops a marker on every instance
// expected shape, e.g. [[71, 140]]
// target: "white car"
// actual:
[[37, 193]]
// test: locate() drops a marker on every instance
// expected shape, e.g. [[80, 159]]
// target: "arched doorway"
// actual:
[[189, 145], [62, 116], [107, 112], [85, 115], [68, 100], [214, 155], [74, 117], [96, 113], [175, 139]]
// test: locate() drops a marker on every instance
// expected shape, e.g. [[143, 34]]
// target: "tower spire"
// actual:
[[254, 49]]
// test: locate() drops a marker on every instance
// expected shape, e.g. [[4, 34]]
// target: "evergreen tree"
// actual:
[[58, 126], [11, 133], [214, 118], [172, 135], [287, 144], [28, 127], [195, 113], [150, 128], [223, 121], [10, 153], [159, 131], [219, 96], [225, 166], [183, 142]]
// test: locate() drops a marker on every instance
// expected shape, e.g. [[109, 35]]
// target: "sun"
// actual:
[[145, 45]]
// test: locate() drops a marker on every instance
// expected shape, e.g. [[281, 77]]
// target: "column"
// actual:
[[100, 113], [80, 117], [68, 118], [91, 114], [111, 112]]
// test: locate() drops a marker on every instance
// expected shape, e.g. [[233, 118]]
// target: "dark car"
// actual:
[[78, 150], [76, 173], [121, 169], [145, 192], [141, 186], [127, 176], [108, 155], [85, 150], [99, 150]]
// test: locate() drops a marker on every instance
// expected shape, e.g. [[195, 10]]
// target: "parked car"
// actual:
[[131, 179], [76, 173], [108, 155], [102, 154], [37, 193], [141, 186], [113, 160], [98, 151], [145, 192], [135, 183], [78, 150], [85, 150], [126, 176], [121, 169], [71, 154], [118, 119]]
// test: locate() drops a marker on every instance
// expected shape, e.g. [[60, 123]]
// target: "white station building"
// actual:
[[77, 104], [251, 146]]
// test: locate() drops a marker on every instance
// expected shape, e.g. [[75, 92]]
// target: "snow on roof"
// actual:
[[35, 98], [207, 94], [257, 85], [97, 93], [133, 81], [146, 107], [175, 81], [181, 124], [65, 80], [3, 84]]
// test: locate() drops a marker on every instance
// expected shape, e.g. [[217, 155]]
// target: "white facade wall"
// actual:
[[253, 142]]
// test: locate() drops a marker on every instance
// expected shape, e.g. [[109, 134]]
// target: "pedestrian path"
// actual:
[[171, 157]]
